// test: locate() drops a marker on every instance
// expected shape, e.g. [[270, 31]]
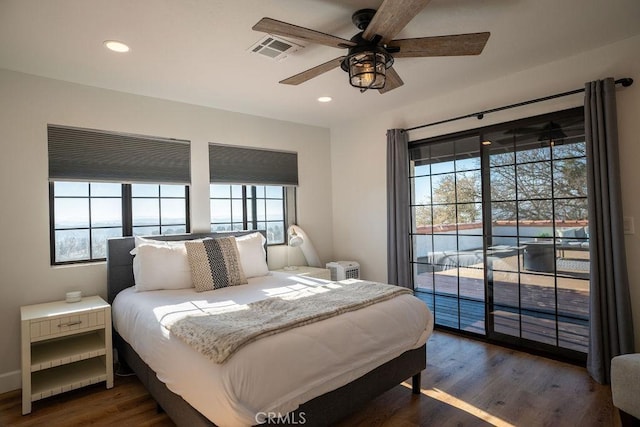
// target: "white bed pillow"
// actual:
[[161, 266], [144, 241], [253, 256], [141, 241]]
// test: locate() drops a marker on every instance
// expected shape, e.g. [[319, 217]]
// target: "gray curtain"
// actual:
[[611, 328], [398, 213]]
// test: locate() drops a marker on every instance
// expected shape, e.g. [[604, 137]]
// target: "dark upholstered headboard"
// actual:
[[120, 261]]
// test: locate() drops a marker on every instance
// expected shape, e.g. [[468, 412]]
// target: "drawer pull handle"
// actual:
[[77, 322]]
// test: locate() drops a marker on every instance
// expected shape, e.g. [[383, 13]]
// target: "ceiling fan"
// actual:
[[371, 53]]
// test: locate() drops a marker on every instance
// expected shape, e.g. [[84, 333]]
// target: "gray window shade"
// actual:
[[243, 165], [93, 155]]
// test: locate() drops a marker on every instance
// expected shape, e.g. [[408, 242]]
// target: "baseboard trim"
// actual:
[[10, 381]]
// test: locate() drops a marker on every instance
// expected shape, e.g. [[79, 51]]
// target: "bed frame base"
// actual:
[[320, 411]]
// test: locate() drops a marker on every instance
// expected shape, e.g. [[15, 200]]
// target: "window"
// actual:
[[250, 207], [106, 184], [84, 215], [252, 189], [158, 209]]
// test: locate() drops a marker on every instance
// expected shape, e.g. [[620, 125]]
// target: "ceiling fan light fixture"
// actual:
[[367, 70], [367, 67]]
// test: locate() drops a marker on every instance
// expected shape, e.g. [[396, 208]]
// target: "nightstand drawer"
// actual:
[[60, 326]]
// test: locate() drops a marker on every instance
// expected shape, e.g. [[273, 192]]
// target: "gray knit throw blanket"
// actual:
[[219, 335]]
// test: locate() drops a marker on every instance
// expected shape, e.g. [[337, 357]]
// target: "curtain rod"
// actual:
[[625, 82]]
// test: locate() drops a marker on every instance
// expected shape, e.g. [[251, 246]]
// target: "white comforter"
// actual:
[[273, 374]]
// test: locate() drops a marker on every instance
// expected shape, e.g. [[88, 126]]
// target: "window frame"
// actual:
[[127, 219]]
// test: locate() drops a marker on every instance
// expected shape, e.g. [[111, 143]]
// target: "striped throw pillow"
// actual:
[[215, 264]]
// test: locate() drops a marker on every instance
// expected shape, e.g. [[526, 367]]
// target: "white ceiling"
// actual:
[[196, 51]]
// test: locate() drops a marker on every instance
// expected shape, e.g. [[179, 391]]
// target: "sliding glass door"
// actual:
[[448, 258], [500, 232]]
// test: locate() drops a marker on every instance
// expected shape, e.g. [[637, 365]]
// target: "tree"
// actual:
[[538, 181], [530, 184], [455, 199]]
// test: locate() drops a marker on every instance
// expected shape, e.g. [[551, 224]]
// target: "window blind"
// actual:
[[95, 155], [243, 165]]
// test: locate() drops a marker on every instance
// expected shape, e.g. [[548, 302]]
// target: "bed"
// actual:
[[268, 380]]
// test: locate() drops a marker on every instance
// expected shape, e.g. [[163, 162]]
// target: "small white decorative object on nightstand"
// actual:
[[304, 270], [65, 347], [73, 296]]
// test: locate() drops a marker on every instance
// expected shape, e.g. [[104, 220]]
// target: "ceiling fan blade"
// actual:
[[391, 18], [453, 45], [393, 81], [273, 26], [313, 72]]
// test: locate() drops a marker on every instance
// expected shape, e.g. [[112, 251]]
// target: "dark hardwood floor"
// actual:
[[466, 383]]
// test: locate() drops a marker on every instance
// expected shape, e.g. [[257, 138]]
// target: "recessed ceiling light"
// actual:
[[324, 99], [487, 142], [116, 46]]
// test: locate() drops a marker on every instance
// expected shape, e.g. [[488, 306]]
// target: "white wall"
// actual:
[[28, 104], [358, 150]]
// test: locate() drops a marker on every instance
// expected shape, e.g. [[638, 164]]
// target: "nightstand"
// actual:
[[304, 270], [65, 346]]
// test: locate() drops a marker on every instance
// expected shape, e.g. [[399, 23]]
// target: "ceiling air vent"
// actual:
[[274, 48]]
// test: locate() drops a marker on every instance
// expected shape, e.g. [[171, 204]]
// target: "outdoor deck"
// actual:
[[527, 304]]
